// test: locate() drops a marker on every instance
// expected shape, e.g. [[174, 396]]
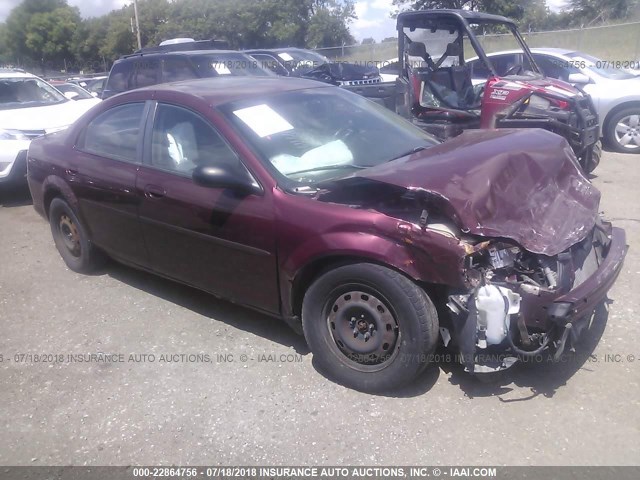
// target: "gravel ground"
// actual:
[[259, 399]]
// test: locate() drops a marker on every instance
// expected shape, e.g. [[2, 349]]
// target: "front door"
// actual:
[[211, 238]]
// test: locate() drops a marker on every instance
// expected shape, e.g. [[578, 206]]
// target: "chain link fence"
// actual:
[[615, 43]]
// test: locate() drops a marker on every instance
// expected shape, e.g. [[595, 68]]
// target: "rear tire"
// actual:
[[71, 239], [369, 327]]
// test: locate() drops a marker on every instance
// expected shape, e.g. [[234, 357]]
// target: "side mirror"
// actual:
[[235, 179], [579, 78], [71, 95]]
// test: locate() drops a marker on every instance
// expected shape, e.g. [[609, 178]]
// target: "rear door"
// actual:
[[103, 176], [211, 238]]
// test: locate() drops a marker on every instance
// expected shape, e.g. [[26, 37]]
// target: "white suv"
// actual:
[[29, 108]]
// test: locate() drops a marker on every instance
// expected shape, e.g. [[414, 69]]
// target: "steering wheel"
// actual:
[[514, 70]]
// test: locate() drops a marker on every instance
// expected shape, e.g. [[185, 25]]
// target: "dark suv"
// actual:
[[145, 69]]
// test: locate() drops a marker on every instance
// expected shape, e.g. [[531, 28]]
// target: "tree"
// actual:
[[48, 34], [18, 27], [327, 30], [589, 12], [51, 30], [509, 8]]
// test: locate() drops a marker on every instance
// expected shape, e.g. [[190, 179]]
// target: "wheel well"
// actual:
[[313, 270], [49, 195], [615, 110]]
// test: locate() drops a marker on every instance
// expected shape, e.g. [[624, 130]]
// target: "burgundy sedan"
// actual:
[[313, 204]]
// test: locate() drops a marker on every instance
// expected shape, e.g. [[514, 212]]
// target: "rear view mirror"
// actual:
[[235, 179], [579, 78]]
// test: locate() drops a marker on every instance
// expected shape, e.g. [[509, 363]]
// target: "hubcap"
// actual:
[[363, 328], [70, 235], [628, 132]]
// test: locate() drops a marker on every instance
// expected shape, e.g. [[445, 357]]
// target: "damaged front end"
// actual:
[[512, 235], [520, 304]]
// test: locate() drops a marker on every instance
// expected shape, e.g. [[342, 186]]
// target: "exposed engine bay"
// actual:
[[511, 312]]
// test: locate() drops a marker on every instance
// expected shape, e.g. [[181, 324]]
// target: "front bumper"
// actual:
[[16, 168], [583, 299], [545, 317], [579, 125]]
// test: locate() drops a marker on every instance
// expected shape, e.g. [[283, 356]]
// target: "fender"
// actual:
[[333, 246], [55, 183]]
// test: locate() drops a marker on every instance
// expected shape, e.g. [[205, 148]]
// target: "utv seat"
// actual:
[[454, 86]]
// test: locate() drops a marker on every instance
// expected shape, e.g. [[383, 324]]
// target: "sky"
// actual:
[[373, 15], [88, 8], [374, 20]]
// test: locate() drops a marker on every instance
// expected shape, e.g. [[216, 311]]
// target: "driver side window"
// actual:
[[182, 141]]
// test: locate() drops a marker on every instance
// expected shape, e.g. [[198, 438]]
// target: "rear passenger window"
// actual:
[[114, 133], [176, 69], [147, 73], [119, 78]]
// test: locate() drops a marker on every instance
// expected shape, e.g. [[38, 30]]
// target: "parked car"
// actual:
[[615, 92], [297, 62], [313, 204], [161, 65], [74, 92], [94, 85], [29, 108], [390, 70]]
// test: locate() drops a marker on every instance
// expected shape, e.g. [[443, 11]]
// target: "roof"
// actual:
[[8, 73], [468, 15], [229, 89], [182, 52]]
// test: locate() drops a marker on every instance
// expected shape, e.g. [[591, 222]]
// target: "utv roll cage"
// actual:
[[456, 21]]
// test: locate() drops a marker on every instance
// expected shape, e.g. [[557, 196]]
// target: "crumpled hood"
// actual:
[[50, 117], [519, 184]]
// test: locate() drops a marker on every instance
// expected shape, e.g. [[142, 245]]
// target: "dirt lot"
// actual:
[[258, 399]]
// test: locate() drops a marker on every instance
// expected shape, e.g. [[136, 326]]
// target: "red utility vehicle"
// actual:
[[435, 89]]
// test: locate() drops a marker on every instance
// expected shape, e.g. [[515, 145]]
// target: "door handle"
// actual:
[[154, 191]]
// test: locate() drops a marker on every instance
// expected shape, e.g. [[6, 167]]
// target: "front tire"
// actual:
[[71, 239], [623, 131], [369, 327]]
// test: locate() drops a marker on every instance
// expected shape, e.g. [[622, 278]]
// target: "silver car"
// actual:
[[615, 91]]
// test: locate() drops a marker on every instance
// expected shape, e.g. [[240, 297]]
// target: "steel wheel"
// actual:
[[71, 239], [70, 235], [363, 328], [369, 327]]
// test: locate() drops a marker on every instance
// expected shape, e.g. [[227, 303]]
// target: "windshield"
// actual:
[[27, 92], [599, 67], [323, 133], [82, 94], [229, 64], [299, 62]]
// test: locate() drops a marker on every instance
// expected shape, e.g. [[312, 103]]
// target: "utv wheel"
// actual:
[[71, 239], [594, 160], [623, 131], [369, 327]]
